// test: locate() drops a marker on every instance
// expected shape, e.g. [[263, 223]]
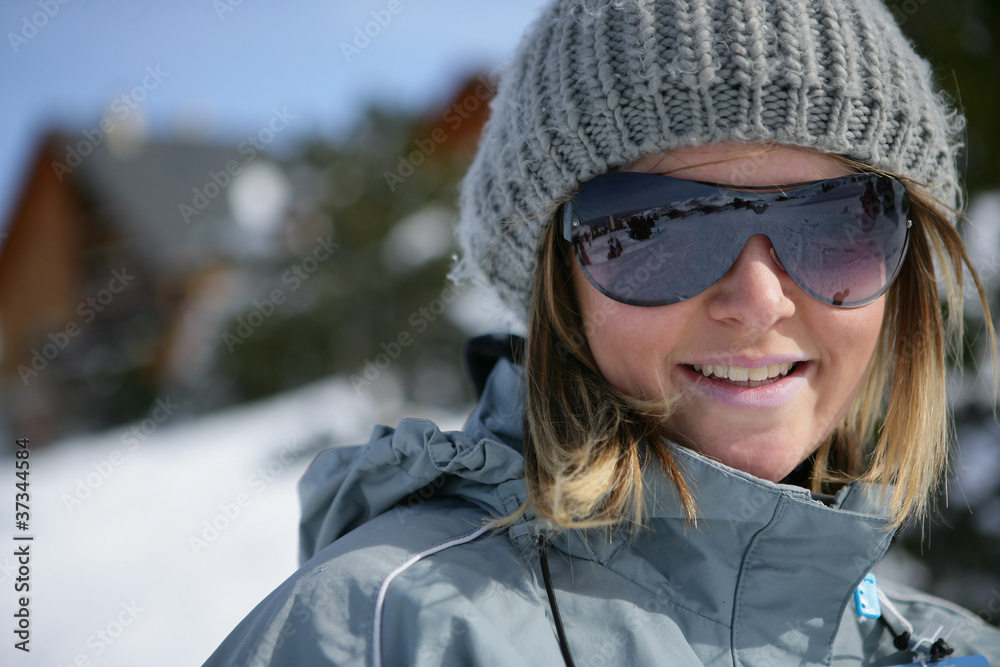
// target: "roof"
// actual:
[[169, 201]]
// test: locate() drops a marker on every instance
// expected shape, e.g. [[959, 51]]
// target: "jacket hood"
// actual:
[[482, 464]]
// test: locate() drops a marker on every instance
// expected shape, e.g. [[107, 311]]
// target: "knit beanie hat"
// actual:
[[597, 84]]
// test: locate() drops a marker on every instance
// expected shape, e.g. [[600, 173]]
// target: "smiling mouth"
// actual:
[[745, 377]]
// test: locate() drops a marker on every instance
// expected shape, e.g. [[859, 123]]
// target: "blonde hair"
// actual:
[[586, 443]]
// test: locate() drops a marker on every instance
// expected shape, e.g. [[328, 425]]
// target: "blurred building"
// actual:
[[128, 264], [121, 258]]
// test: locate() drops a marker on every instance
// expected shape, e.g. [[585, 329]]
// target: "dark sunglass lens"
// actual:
[[638, 250], [846, 243], [654, 261]]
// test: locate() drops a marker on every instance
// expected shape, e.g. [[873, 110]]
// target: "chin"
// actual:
[[773, 466]]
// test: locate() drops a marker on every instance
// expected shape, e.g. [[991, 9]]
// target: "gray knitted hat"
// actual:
[[597, 84]]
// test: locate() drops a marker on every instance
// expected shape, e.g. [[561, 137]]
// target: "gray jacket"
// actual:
[[401, 567]]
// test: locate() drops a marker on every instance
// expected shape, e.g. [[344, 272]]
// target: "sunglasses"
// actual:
[[652, 240]]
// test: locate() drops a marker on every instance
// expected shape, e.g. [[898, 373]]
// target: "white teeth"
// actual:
[[741, 374]]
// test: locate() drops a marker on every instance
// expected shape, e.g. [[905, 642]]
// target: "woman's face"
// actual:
[[754, 317]]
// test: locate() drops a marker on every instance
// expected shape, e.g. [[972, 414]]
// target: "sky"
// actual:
[[221, 68]]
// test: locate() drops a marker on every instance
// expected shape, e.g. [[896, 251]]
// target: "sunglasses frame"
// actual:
[[768, 195]]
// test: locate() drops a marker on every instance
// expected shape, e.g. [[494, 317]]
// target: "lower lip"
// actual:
[[772, 395]]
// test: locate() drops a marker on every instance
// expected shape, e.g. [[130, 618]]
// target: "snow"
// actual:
[[118, 574]]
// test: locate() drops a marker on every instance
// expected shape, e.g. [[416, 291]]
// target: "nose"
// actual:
[[754, 293]]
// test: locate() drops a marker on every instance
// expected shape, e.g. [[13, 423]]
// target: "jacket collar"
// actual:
[[765, 560]]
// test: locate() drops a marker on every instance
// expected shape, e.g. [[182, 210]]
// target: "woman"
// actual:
[[718, 220]]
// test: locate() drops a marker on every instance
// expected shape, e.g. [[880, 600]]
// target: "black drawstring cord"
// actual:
[[939, 650], [550, 592], [900, 641]]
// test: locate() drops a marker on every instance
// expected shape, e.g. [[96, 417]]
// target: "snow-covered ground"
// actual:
[[149, 547]]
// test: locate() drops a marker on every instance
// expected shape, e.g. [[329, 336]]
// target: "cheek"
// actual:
[[850, 337], [617, 355], [601, 323], [861, 333], [624, 340], [869, 339]]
